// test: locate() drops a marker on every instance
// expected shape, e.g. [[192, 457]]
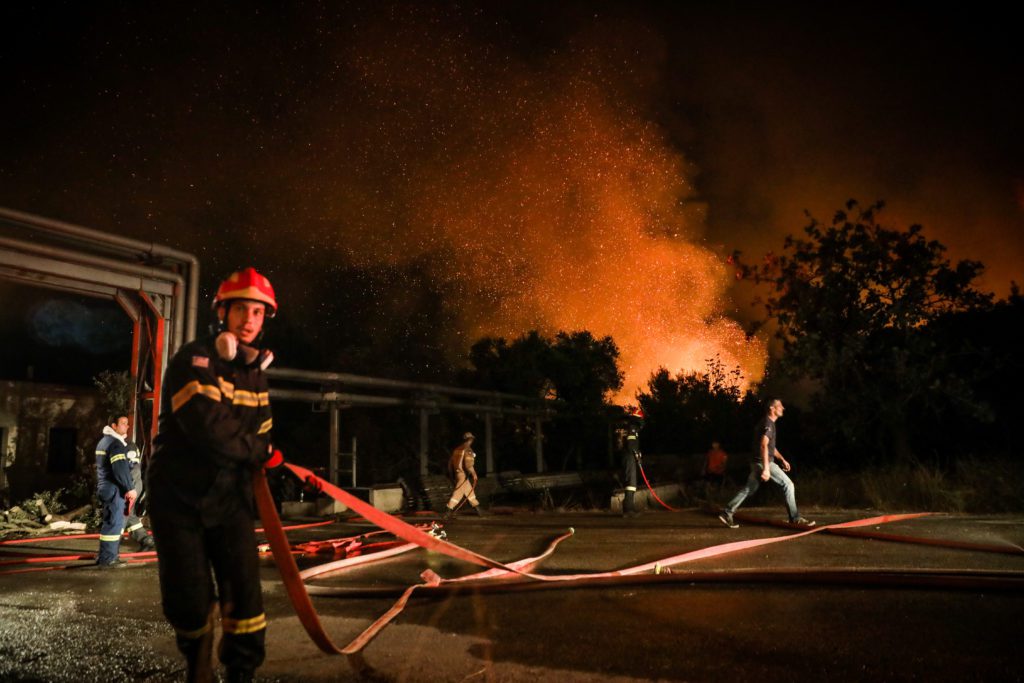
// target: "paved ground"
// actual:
[[88, 625]]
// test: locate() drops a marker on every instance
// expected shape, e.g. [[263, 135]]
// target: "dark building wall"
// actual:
[[48, 439]]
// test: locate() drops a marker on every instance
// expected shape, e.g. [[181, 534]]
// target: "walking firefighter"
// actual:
[[463, 473]]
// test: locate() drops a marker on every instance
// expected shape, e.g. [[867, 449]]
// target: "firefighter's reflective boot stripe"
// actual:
[[197, 646]]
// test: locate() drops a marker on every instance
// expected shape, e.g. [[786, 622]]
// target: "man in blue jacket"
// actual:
[[115, 489]]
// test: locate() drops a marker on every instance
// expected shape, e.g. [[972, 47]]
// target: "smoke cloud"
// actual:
[[535, 187]]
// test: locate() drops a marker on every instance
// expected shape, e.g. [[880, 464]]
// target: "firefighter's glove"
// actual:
[[274, 460], [129, 501]]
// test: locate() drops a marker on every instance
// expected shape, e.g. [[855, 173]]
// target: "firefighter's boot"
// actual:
[[479, 511], [237, 675], [144, 540], [198, 655], [629, 504]]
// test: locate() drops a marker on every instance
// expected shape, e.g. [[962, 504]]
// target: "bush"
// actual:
[[975, 485]]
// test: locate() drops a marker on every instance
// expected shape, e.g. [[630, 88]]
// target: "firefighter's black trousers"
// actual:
[[187, 552], [629, 471]]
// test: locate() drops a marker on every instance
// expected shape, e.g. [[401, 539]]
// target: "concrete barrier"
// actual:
[[386, 497], [643, 499]]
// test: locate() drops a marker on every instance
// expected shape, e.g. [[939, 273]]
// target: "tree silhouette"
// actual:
[[574, 367], [686, 412], [115, 392], [577, 369], [855, 304]]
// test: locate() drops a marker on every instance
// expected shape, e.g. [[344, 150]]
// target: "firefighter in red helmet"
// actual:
[[631, 459], [215, 429]]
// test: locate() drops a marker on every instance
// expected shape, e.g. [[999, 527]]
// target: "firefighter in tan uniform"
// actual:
[[460, 467], [215, 428]]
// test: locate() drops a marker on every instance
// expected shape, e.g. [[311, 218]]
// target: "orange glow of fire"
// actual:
[[585, 225], [537, 196]]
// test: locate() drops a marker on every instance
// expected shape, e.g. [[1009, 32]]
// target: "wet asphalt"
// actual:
[[83, 624]]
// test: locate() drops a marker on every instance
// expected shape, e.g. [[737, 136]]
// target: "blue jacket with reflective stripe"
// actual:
[[113, 469]]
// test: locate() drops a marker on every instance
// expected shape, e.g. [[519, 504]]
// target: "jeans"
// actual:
[[754, 483]]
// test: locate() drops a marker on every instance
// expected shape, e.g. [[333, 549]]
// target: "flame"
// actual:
[[540, 198], [586, 226]]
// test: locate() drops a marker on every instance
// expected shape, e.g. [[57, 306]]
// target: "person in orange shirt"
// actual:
[[713, 471]]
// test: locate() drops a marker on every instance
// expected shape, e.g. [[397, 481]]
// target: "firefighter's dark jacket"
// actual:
[[215, 424], [633, 445], [113, 468]]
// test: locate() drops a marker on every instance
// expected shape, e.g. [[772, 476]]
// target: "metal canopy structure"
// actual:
[[333, 389], [156, 286]]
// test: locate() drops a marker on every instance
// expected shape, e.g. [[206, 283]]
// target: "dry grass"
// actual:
[[973, 485]]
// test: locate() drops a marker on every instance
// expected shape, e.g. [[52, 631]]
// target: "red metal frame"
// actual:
[[156, 352]]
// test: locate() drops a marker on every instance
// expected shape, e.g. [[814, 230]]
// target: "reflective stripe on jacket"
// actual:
[[215, 426]]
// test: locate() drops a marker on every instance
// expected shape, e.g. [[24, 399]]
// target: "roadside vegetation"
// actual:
[[901, 377]]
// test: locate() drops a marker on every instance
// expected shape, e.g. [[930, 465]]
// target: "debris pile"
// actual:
[[42, 513]]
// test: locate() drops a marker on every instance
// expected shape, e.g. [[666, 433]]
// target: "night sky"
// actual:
[[413, 175]]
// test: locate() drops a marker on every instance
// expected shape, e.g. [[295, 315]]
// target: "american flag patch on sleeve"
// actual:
[[201, 361]]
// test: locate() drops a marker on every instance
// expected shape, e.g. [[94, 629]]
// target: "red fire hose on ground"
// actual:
[[651, 488], [520, 575]]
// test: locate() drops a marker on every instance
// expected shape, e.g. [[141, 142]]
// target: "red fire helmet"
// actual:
[[247, 284]]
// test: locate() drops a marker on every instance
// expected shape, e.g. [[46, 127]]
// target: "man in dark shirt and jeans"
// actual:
[[764, 468]]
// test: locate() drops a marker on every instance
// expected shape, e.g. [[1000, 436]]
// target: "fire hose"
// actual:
[[520, 574], [50, 559], [651, 488]]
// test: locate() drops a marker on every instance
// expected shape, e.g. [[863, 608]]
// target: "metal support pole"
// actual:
[[135, 369], [158, 357], [354, 458], [335, 442], [424, 429], [489, 444], [538, 436], [134, 403]]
